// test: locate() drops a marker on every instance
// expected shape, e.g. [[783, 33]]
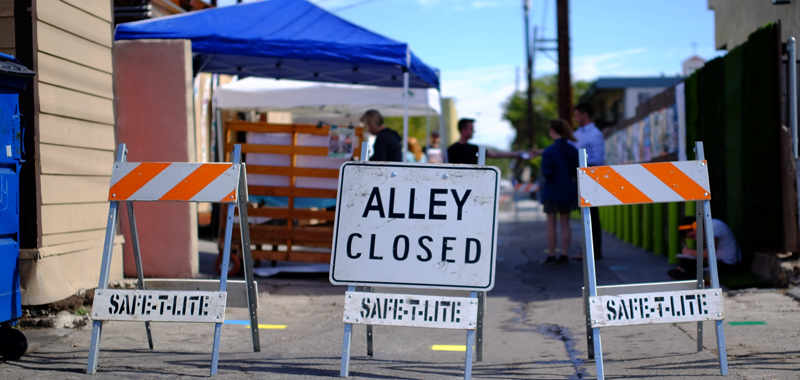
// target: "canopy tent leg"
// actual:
[[443, 139], [406, 79], [427, 125]]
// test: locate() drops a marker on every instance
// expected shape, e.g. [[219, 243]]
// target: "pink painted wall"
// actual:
[[153, 100]]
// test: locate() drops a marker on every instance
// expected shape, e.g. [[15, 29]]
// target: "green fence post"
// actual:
[[628, 235], [647, 226], [673, 245], [658, 229], [691, 207], [636, 221], [620, 223]]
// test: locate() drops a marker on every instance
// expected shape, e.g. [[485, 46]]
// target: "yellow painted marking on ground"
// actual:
[[547, 250], [271, 327], [449, 347]]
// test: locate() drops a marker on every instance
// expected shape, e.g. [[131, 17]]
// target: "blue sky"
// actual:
[[478, 44]]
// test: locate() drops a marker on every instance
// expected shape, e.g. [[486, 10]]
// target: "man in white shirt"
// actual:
[[727, 250], [591, 139]]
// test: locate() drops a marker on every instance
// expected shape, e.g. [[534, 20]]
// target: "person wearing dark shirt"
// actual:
[[387, 142], [462, 152], [560, 191]]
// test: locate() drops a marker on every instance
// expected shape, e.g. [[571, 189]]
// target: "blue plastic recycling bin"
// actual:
[[13, 80]]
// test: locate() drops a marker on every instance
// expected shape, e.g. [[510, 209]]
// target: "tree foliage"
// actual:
[[545, 108]]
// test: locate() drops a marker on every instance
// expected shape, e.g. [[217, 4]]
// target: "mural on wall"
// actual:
[[645, 140]]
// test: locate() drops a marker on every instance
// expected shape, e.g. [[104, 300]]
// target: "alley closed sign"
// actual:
[[416, 225]]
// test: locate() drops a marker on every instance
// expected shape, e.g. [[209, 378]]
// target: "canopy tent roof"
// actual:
[[287, 39], [330, 103]]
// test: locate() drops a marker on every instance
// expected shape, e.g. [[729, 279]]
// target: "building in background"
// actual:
[[616, 98], [692, 64], [734, 20]]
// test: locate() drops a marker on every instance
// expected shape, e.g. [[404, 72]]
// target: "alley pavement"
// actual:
[[533, 330]]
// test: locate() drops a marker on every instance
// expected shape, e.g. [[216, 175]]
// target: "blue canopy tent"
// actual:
[[290, 39]]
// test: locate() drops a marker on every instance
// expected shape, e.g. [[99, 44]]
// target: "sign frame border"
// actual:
[[493, 257]]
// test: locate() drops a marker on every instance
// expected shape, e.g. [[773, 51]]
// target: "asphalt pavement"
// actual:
[[533, 330]]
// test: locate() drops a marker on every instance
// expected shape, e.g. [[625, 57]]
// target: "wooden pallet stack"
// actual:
[[293, 233]]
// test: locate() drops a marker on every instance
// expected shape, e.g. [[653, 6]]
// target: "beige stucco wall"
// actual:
[[734, 20]]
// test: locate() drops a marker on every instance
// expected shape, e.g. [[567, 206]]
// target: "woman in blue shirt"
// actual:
[[560, 192]]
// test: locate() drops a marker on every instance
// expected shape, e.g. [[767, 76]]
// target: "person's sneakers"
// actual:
[[550, 260], [563, 259]]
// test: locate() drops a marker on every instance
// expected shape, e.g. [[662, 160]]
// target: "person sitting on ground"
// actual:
[[387, 142], [729, 255], [560, 192], [462, 152]]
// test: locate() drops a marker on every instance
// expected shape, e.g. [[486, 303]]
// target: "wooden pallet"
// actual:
[[302, 227]]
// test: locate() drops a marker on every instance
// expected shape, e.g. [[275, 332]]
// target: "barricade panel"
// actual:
[[458, 313], [159, 305], [179, 181], [643, 183], [659, 307]]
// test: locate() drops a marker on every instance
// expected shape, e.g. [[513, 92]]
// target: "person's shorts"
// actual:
[[553, 208]]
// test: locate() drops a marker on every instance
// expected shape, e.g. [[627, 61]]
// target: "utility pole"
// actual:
[[564, 80], [529, 73]]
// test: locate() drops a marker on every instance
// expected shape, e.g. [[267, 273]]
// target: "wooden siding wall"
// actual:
[[75, 117], [7, 34]]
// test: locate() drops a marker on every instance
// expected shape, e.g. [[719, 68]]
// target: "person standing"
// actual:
[[590, 138], [462, 152], [560, 192], [387, 142]]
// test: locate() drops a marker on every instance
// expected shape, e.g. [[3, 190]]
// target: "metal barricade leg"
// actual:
[[587, 316], [479, 328], [137, 257], [470, 343], [348, 333], [226, 258], [712, 263], [712, 266], [700, 274], [247, 259], [105, 268], [589, 274], [369, 328]]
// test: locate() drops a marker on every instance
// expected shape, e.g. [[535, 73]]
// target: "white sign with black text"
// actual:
[[416, 225], [159, 305], [411, 310], [658, 307]]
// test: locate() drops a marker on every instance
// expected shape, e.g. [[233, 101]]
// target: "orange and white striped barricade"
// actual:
[[173, 182], [650, 303]]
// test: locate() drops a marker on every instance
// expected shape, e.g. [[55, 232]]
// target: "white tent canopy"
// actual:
[[311, 102]]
